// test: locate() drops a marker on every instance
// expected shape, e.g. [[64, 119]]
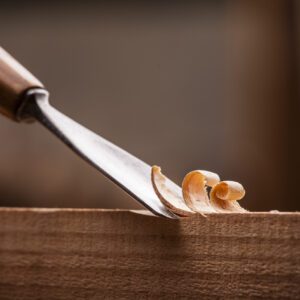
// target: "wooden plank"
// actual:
[[115, 254]]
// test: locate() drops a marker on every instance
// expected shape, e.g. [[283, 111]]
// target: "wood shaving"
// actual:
[[169, 193], [194, 190], [224, 196], [193, 197]]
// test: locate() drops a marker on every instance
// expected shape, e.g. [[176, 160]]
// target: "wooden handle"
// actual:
[[15, 80]]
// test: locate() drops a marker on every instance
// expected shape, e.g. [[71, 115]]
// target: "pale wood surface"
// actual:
[[98, 254]]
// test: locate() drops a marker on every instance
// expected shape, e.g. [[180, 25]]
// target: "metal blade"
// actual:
[[129, 172]]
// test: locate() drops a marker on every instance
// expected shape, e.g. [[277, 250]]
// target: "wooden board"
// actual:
[[111, 254]]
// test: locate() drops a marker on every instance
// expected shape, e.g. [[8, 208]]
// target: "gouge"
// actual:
[[24, 98]]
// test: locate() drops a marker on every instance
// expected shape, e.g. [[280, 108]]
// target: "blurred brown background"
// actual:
[[186, 85]]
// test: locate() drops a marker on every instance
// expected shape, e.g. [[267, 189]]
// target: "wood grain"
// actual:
[[114, 254]]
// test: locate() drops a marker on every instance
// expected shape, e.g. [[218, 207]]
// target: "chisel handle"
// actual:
[[15, 81]]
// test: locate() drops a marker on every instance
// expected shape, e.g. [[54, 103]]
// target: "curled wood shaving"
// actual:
[[194, 190], [169, 193], [224, 196], [193, 197]]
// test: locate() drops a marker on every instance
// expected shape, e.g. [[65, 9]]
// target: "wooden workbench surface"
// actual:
[[115, 254]]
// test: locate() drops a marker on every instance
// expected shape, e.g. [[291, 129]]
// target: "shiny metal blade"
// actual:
[[129, 172]]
